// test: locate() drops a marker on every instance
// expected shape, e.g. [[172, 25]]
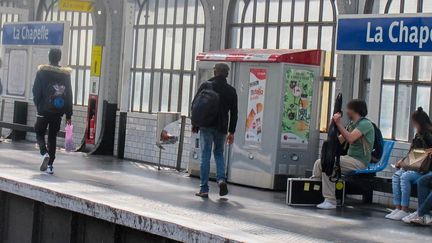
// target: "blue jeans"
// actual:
[[424, 194], [208, 138], [402, 182]]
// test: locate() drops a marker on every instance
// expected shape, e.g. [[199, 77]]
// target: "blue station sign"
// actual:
[[384, 34], [44, 33]]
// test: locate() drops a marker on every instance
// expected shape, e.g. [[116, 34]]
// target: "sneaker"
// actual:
[[202, 194], [327, 204], [50, 170], [223, 188], [410, 217], [422, 220], [393, 212], [45, 160], [399, 215]]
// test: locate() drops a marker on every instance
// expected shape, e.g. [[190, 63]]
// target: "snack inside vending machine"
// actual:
[[278, 128]]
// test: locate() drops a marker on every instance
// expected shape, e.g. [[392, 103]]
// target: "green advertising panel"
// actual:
[[297, 106]]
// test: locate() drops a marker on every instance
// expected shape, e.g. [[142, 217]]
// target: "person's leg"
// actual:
[[423, 188], [349, 164], [317, 169], [40, 129], [206, 144], [396, 186], [54, 128], [407, 179], [426, 207], [219, 140]]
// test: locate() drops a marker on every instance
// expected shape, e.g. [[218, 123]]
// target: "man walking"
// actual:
[[214, 115], [52, 95]]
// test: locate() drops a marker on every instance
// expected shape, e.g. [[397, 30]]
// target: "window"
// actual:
[[81, 41], [7, 17], [167, 37], [289, 24], [406, 80]]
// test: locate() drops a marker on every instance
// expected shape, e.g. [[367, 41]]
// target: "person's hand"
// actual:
[[195, 129], [398, 164], [69, 122], [230, 139], [337, 118]]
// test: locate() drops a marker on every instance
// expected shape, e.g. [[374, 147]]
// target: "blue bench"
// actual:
[[364, 182], [374, 168]]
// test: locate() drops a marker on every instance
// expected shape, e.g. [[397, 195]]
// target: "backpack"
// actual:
[[205, 107], [378, 147], [56, 98]]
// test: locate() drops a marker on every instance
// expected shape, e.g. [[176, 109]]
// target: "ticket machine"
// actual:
[[278, 128]]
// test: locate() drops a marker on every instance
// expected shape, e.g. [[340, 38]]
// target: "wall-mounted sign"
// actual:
[[296, 116], [256, 97], [385, 34], [96, 64], [51, 34], [76, 5]]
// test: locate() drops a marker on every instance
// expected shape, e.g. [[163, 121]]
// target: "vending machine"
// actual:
[[278, 128]]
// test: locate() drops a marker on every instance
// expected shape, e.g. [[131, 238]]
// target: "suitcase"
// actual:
[[308, 192]]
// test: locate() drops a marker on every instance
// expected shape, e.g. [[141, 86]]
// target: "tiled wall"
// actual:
[[141, 141]]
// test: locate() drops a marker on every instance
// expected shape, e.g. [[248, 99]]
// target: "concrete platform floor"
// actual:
[[138, 196]]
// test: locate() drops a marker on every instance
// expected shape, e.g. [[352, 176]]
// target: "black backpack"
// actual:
[[378, 147], [56, 98], [205, 107]]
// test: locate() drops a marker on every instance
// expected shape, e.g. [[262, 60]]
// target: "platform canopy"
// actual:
[[308, 57]]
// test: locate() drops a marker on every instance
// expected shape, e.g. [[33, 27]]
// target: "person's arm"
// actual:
[[233, 118], [350, 137], [37, 90], [69, 100]]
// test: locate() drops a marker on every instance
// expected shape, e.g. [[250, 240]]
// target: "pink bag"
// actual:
[[69, 142]]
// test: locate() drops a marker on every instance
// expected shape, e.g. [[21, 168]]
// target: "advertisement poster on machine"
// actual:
[[254, 120], [297, 106]]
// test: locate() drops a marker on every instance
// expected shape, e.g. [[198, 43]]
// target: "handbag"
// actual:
[[417, 160]]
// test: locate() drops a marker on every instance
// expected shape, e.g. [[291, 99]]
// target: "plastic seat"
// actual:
[[382, 164]]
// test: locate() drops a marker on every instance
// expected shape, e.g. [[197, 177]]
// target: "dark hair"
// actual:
[[55, 55], [420, 117], [358, 106]]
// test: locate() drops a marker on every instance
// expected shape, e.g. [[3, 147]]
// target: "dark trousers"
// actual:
[[52, 124]]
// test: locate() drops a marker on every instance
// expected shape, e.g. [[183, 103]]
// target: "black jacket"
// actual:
[[45, 75], [228, 110]]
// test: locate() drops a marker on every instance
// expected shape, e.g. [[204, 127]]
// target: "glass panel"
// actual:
[[149, 49], [299, 10], [178, 45], [298, 38], [272, 38], [180, 12], [165, 92], [274, 10], [247, 37], [286, 11], [156, 91], [259, 37], [423, 97], [79, 91], [406, 70], [390, 67], [327, 11], [235, 37], [249, 13], [284, 40], [185, 94], [158, 48], [312, 41], [175, 92], [140, 48], [403, 111], [146, 92], [238, 12], [137, 92], [410, 6], [425, 68], [314, 6], [161, 12], [260, 12], [191, 11], [168, 48], [188, 49], [387, 104]]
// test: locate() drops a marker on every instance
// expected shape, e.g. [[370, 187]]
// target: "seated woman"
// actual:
[[402, 179], [424, 188]]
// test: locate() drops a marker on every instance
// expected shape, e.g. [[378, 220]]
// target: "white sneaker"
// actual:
[[393, 212], [45, 160], [327, 204], [50, 170], [399, 215], [424, 220], [410, 217]]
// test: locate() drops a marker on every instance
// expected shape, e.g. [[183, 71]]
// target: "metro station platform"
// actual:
[[162, 203]]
